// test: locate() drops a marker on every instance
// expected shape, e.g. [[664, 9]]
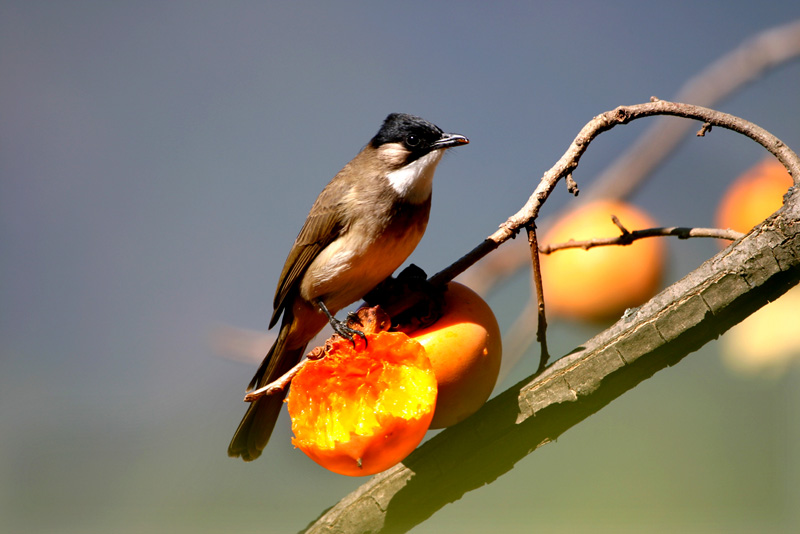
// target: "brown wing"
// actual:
[[322, 226]]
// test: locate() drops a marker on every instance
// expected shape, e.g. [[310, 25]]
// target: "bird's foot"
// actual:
[[341, 328], [347, 332]]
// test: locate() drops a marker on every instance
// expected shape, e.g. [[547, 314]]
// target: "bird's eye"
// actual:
[[412, 141]]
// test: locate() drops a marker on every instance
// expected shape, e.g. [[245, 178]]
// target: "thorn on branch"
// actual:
[[619, 225], [572, 185], [704, 129]]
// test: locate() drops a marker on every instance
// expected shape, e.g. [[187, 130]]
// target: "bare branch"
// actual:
[[541, 329], [627, 237], [601, 123], [752, 59], [278, 385], [716, 82]]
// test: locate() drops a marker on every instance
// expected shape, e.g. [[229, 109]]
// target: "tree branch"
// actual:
[[753, 58], [716, 82], [599, 124]]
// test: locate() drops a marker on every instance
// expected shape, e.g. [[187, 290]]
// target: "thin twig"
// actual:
[[619, 225], [282, 382], [629, 237], [276, 386], [541, 330]]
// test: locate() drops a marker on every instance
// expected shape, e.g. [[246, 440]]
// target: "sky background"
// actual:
[[158, 158]]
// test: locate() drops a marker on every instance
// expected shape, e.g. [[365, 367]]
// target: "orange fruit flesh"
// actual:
[[358, 412]]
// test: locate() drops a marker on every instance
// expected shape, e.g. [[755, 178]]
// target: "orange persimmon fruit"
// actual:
[[465, 350], [598, 284], [360, 411], [753, 196]]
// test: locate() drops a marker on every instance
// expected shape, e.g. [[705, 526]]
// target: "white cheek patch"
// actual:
[[415, 181]]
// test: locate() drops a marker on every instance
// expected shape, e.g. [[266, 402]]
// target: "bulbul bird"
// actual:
[[361, 228]]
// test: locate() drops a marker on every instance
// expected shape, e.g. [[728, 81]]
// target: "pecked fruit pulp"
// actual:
[[360, 411]]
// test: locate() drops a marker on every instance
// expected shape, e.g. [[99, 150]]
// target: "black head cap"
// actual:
[[416, 134]]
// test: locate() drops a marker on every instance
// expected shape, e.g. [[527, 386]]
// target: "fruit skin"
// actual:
[[359, 412], [600, 283], [465, 351], [753, 196]]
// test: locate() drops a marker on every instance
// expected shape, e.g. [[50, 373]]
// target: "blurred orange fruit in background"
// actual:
[[600, 283], [753, 196]]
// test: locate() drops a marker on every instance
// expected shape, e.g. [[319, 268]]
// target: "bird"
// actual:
[[361, 228]]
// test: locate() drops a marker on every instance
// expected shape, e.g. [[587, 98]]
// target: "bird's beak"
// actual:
[[450, 140]]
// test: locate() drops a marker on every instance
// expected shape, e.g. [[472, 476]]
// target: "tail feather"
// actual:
[[256, 427], [276, 357]]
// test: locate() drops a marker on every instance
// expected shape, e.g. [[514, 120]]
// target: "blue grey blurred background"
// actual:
[[158, 158]]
